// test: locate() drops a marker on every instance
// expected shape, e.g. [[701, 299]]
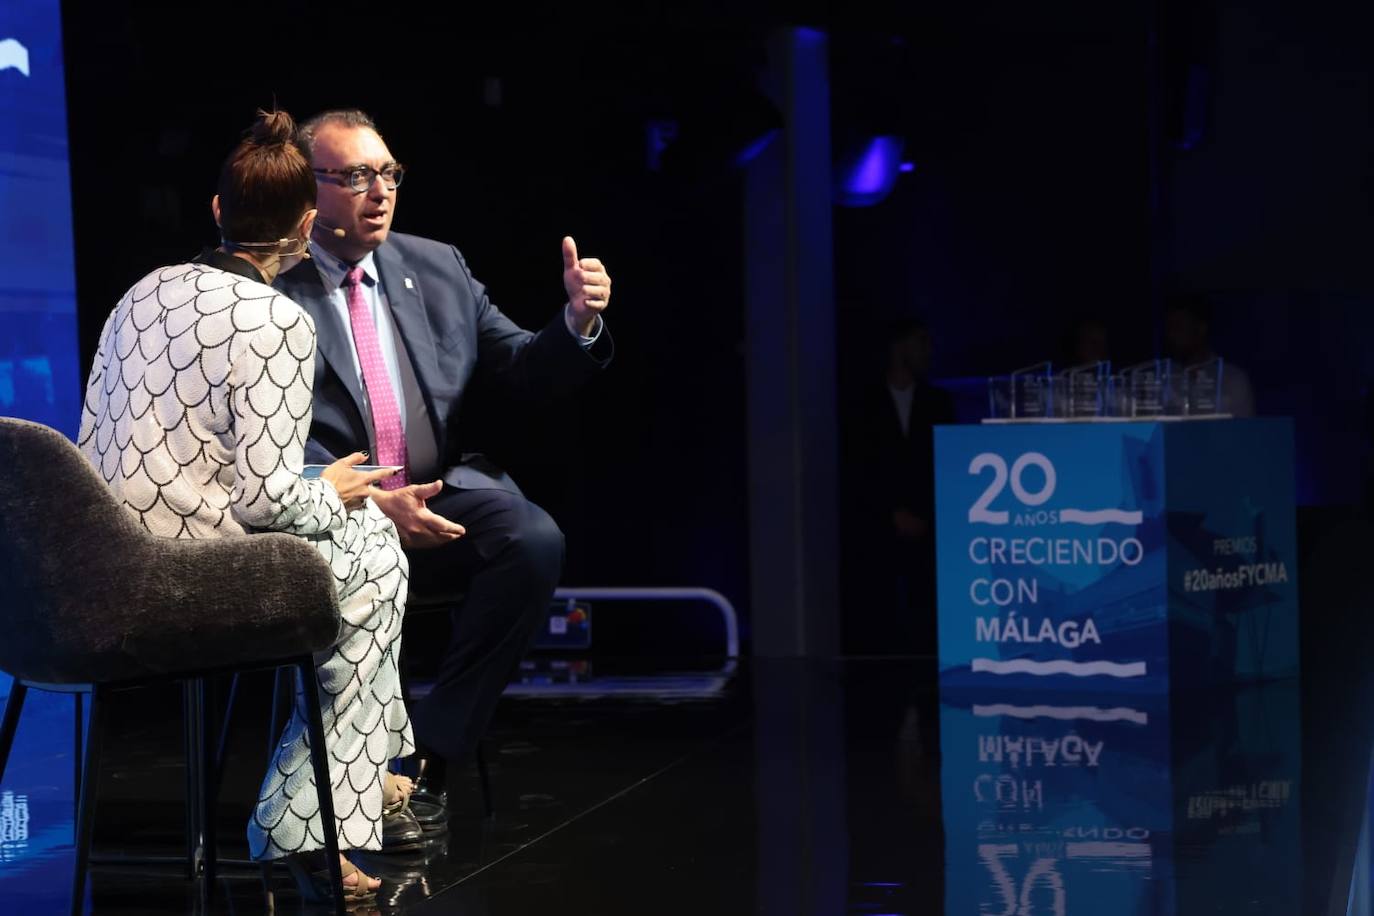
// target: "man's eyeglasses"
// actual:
[[360, 177]]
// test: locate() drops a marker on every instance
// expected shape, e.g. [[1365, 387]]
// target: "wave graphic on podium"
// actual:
[[1063, 713], [14, 56], [1059, 666], [1101, 516]]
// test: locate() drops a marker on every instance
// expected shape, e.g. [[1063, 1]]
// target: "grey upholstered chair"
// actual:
[[90, 602]]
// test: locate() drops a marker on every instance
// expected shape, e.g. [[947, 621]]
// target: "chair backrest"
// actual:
[[60, 528], [87, 595]]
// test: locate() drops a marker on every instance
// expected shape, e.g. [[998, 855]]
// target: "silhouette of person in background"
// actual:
[[896, 496], [1187, 340], [1086, 341]]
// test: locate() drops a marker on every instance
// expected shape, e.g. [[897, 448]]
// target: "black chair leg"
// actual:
[[485, 778], [13, 706], [319, 758], [206, 791], [282, 679], [86, 808], [227, 725], [78, 700], [191, 723]]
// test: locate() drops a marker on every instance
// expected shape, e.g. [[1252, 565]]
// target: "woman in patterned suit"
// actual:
[[196, 414]]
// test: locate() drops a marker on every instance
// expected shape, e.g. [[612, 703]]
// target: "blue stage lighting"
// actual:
[[867, 174]]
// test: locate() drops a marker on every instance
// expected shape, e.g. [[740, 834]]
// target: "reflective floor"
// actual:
[[788, 788]]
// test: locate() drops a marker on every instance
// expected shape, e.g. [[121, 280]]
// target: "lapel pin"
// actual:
[[409, 285]]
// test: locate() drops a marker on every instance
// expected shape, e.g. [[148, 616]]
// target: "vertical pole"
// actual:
[[793, 501]]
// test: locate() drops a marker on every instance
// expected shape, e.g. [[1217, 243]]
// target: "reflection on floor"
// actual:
[[784, 787]]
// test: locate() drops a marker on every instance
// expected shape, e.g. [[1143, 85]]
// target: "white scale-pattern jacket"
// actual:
[[198, 407]]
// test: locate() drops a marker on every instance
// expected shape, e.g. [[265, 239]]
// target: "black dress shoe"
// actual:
[[430, 815], [401, 832], [431, 783]]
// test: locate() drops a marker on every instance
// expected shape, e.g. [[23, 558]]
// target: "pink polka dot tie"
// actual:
[[386, 416]]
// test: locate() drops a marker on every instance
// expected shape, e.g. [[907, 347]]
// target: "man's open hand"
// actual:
[[418, 527]]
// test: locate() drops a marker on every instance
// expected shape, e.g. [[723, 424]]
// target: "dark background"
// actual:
[[1069, 159]]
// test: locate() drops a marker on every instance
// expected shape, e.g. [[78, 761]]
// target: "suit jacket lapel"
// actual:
[[331, 336], [408, 310]]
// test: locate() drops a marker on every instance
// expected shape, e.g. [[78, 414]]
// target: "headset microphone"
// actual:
[[338, 233]]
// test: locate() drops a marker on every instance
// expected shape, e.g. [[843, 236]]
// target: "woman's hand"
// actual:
[[354, 486]]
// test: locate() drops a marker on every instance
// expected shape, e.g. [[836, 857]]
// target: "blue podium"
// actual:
[[1117, 556], [1132, 805]]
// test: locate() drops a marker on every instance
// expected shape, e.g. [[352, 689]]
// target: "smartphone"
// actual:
[[311, 471]]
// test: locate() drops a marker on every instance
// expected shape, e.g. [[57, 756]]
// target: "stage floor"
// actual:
[[783, 787]]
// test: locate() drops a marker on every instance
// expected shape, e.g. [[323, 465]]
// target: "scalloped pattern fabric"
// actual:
[[196, 414]]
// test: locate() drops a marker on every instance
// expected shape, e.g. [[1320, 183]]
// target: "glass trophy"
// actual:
[[1147, 389], [1000, 397], [1081, 392], [1118, 395], [1032, 392], [1202, 388]]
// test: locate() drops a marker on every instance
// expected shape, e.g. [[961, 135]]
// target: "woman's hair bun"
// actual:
[[273, 127]]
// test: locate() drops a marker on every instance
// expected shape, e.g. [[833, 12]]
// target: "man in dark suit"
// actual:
[[402, 328], [893, 458]]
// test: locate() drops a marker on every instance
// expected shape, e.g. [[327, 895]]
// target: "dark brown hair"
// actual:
[[344, 117], [265, 184]]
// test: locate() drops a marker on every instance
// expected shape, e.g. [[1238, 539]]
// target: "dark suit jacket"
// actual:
[[450, 330], [899, 468]]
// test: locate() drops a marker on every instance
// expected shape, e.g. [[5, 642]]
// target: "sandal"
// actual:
[[311, 873], [396, 793]]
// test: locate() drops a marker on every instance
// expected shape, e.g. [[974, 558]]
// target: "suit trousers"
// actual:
[[509, 563]]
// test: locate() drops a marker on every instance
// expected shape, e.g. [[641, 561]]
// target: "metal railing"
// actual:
[[631, 593]]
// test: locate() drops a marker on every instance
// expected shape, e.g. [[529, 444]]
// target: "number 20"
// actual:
[[980, 512]]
